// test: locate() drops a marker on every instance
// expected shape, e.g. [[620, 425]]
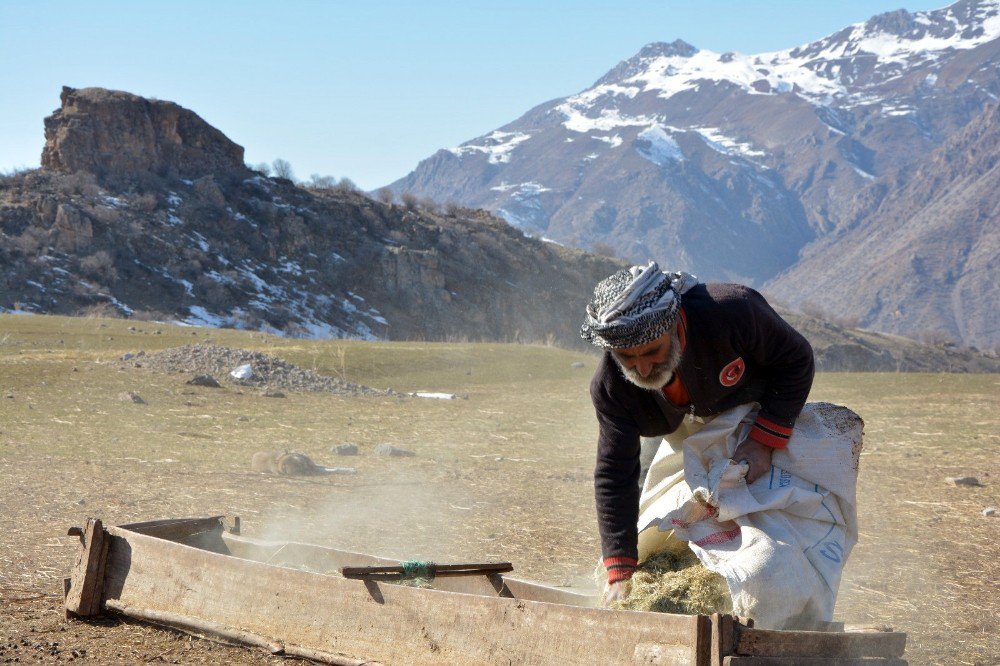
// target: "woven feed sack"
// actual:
[[781, 543]]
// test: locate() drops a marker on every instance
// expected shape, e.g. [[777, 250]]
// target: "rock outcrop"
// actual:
[[107, 132]]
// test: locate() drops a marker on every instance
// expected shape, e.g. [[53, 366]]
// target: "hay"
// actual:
[[676, 583]]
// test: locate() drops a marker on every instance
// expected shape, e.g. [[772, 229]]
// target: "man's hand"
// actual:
[[615, 592], [757, 455]]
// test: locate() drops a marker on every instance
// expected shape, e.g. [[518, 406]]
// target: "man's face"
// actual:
[[652, 365]]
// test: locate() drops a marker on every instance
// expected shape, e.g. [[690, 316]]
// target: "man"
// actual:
[[677, 348]]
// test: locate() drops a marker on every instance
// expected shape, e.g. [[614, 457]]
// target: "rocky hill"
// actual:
[[732, 165], [141, 209]]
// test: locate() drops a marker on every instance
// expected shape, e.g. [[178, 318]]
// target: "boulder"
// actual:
[[392, 451], [204, 380], [74, 231]]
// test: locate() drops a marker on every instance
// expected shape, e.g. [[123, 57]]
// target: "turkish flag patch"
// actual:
[[732, 372]]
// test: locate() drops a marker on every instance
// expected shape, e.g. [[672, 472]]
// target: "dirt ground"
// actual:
[[503, 472]]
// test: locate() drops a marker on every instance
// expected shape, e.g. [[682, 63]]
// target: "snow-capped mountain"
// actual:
[[728, 164]]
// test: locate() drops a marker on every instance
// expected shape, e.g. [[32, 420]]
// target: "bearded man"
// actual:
[[677, 351]]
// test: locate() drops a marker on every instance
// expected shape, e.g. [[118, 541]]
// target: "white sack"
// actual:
[[781, 542]]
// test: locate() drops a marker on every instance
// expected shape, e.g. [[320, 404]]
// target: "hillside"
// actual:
[[734, 166], [143, 210], [922, 253]]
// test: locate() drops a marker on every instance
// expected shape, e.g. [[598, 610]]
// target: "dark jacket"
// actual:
[[738, 350]]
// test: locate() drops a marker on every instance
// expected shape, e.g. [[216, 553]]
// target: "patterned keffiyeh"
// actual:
[[634, 306]]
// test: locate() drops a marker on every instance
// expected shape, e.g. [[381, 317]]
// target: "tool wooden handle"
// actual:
[[472, 569]]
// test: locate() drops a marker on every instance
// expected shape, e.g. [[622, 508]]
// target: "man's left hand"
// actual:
[[757, 455]]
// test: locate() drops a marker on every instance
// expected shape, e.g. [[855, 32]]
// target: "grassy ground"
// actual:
[[504, 473]]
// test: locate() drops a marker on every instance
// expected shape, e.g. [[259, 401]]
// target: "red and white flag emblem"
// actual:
[[732, 372]]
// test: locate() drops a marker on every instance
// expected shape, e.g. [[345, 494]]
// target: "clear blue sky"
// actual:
[[362, 89]]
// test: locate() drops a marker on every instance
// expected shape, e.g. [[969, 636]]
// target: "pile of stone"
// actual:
[[265, 372]]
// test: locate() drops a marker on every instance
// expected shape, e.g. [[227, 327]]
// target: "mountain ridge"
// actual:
[[733, 166], [207, 241]]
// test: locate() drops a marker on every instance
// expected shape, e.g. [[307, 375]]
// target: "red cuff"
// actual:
[[769, 433], [620, 568]]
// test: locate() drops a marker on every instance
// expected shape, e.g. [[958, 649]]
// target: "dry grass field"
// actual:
[[502, 472]]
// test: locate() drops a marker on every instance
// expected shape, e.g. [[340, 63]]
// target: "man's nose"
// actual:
[[643, 368]]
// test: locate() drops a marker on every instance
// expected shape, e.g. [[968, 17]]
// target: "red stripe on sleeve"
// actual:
[[620, 568], [768, 437]]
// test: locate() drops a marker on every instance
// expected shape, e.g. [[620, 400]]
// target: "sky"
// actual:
[[362, 89]]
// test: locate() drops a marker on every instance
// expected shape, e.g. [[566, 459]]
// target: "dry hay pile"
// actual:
[[676, 583], [269, 372]]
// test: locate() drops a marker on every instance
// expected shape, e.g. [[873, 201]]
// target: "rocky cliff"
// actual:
[[109, 132]]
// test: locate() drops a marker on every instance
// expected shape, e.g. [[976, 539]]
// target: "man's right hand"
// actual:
[[616, 591]]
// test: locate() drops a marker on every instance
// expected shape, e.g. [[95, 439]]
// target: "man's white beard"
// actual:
[[661, 374]]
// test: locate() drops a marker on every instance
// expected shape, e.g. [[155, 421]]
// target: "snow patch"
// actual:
[[497, 146], [613, 141], [528, 188], [861, 172], [659, 148], [720, 142]]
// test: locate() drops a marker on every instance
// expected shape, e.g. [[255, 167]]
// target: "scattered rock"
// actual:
[[392, 451], [128, 356], [576, 365], [242, 372], [345, 449], [963, 480], [204, 380], [133, 397], [990, 512], [291, 463], [271, 393]]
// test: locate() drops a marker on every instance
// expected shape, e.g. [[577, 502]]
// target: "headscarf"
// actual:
[[634, 306]]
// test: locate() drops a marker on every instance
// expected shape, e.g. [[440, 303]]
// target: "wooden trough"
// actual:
[[199, 575]]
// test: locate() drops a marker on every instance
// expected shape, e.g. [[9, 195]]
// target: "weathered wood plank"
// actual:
[[178, 529], [724, 628], [321, 559], [763, 642], [86, 585], [812, 661], [701, 637], [389, 623], [209, 629]]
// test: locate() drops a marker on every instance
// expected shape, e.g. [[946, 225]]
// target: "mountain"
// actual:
[[141, 209], [923, 253], [734, 166]]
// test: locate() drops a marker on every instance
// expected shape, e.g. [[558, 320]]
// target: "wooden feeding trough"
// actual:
[[201, 576]]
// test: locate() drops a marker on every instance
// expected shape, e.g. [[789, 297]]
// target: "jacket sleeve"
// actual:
[[785, 358], [616, 481]]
